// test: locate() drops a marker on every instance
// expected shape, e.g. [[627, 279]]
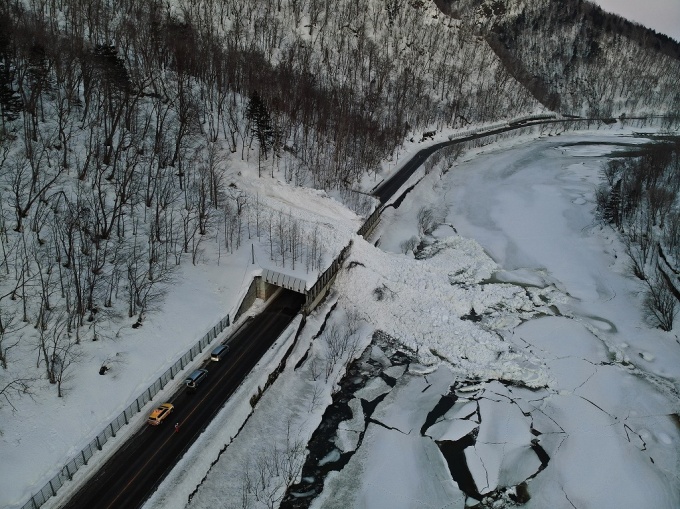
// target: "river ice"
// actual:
[[563, 394], [605, 406]]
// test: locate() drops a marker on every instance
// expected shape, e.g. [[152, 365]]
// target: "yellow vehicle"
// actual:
[[160, 413]]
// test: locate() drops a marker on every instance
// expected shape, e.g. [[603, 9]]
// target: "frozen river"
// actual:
[[532, 208], [607, 417], [615, 378], [557, 394]]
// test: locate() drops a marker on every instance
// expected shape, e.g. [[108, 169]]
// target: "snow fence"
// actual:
[[67, 471]]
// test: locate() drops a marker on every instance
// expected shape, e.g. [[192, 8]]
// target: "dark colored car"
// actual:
[[219, 353], [195, 378]]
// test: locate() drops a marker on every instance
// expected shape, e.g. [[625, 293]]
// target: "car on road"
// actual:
[[195, 378], [160, 414], [219, 353]]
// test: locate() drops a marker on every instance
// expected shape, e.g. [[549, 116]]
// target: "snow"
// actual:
[[541, 218], [502, 453], [221, 432], [376, 387], [34, 449], [32, 446], [285, 417], [452, 430], [347, 436], [395, 371], [604, 402], [393, 471], [413, 300], [395, 467], [561, 327], [379, 356], [406, 407]]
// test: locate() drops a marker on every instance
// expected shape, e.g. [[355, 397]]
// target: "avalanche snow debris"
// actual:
[[424, 312]]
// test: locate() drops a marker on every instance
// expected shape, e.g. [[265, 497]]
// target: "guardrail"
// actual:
[[370, 221], [514, 122], [324, 279], [322, 282], [67, 471]]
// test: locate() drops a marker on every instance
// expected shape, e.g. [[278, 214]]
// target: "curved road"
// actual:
[[387, 189], [128, 478], [134, 472]]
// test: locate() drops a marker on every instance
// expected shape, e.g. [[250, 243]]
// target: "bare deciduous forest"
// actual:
[[118, 119], [578, 59], [638, 197]]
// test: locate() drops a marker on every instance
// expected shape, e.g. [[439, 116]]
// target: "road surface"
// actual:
[[134, 472]]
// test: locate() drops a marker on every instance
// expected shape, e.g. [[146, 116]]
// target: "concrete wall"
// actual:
[[249, 299]]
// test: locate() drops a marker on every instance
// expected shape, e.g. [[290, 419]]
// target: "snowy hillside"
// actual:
[[576, 58], [155, 157], [571, 399]]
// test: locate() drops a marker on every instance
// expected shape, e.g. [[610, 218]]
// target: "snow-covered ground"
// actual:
[[567, 394], [42, 433], [34, 448], [607, 417], [583, 376]]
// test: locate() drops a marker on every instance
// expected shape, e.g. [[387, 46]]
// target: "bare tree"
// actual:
[[29, 180], [638, 239], [660, 302], [276, 468], [429, 219], [10, 327], [147, 279], [14, 388], [59, 350], [246, 488], [409, 246]]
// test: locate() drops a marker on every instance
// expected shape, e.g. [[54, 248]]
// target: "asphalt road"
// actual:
[[137, 469], [387, 189]]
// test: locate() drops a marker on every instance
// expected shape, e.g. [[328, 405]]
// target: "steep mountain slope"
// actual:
[[132, 132], [578, 59], [119, 124]]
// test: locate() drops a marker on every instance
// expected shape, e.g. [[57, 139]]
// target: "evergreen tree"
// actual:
[[261, 125]]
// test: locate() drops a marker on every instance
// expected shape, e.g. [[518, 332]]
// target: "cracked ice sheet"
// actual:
[[463, 409], [532, 208], [393, 470], [411, 399], [379, 356], [502, 455], [492, 466], [606, 413], [596, 466], [374, 388], [395, 371], [347, 435], [451, 430], [558, 337]]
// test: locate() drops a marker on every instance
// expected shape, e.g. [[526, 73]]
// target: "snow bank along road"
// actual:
[[387, 189], [132, 474]]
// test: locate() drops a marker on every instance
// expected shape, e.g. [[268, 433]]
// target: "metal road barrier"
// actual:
[[66, 473]]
